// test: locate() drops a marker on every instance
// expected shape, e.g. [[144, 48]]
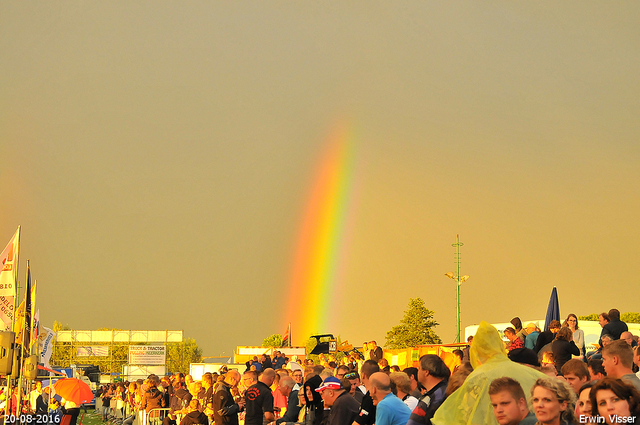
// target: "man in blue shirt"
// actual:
[[278, 360], [390, 410], [256, 363], [532, 336]]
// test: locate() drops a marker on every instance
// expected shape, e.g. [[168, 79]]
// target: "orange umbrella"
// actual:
[[74, 390]]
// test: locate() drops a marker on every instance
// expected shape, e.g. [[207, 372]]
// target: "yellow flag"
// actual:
[[18, 325]]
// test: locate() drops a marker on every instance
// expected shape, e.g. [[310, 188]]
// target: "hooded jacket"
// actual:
[[471, 404], [152, 399], [315, 404], [195, 417]]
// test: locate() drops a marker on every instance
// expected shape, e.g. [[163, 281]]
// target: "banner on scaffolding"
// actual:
[[93, 351], [147, 354]]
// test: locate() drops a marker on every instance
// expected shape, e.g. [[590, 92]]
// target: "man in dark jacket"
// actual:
[[225, 409], [344, 408], [265, 361], [293, 409], [434, 376], [547, 336], [367, 413], [168, 389], [376, 352], [615, 327]]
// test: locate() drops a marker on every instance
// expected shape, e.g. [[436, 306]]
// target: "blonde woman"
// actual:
[[553, 402]]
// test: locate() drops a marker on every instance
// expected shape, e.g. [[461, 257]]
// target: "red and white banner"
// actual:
[[9, 260]]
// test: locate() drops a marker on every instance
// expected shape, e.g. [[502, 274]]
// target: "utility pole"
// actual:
[[459, 279]]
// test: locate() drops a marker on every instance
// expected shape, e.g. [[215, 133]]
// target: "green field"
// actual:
[[90, 418]]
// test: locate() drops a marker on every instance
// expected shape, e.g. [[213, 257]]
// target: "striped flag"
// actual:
[[286, 339]]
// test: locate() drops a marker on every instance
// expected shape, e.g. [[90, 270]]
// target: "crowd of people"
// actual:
[[536, 378], [549, 379], [38, 403]]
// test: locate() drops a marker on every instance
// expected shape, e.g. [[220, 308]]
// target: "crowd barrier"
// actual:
[[141, 418], [153, 417]]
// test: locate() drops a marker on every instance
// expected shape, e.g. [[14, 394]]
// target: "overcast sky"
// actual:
[[159, 157]]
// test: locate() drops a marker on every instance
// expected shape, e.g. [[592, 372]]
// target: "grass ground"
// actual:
[[91, 417]]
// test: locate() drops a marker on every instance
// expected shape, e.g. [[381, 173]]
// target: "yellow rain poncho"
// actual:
[[470, 404]]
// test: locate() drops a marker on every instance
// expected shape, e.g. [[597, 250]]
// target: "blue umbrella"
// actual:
[[553, 311]]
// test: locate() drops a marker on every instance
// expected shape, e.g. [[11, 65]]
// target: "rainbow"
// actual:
[[322, 242]]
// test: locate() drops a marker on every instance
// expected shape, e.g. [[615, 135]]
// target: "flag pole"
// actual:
[[13, 316], [21, 347], [289, 335], [34, 314]]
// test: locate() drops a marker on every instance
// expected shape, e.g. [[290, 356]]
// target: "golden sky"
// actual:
[[158, 156]]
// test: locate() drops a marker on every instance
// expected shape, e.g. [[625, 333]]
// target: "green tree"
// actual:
[[630, 317], [57, 326], [415, 328], [274, 340], [625, 317], [181, 354]]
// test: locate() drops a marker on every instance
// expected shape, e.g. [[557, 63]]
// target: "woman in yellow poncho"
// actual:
[[470, 404]]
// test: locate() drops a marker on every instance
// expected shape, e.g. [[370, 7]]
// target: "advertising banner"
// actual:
[[45, 338], [133, 372], [94, 350], [8, 265], [6, 312], [9, 258], [147, 354]]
